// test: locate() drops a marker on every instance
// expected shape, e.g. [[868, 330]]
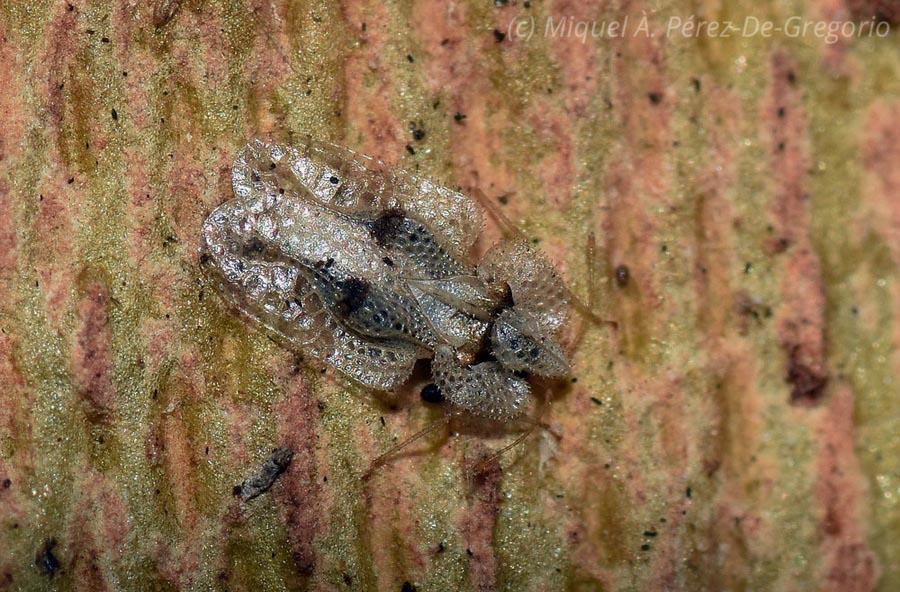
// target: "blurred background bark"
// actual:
[[738, 432]]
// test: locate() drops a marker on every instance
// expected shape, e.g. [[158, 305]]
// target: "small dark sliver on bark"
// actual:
[[274, 465]]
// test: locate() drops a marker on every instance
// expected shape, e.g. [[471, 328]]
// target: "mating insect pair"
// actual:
[[367, 269]]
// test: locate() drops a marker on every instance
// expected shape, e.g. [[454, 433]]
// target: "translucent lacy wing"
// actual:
[[352, 183], [536, 287], [486, 389], [279, 297], [456, 327], [519, 344]]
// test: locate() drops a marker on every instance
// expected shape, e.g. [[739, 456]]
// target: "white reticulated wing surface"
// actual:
[[351, 183], [536, 287], [366, 268], [306, 212]]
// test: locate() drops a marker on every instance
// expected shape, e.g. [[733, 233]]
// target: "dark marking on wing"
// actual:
[[352, 295], [253, 246], [385, 228]]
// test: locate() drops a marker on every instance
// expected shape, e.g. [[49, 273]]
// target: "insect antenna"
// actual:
[[511, 231], [590, 255], [507, 227]]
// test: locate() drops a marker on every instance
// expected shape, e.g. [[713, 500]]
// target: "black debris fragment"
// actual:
[[45, 560], [260, 483]]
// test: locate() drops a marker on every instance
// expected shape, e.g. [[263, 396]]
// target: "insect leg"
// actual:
[[383, 458], [478, 468], [533, 424], [585, 309]]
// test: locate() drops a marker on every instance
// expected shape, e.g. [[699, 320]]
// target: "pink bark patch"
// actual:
[[14, 118], [8, 242], [92, 354], [789, 152], [801, 327], [368, 95], [478, 525], [880, 155], [801, 317], [97, 533], [62, 45], [881, 186], [577, 60], [557, 170], [849, 564], [299, 496], [636, 179], [172, 446], [54, 263], [882, 10]]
